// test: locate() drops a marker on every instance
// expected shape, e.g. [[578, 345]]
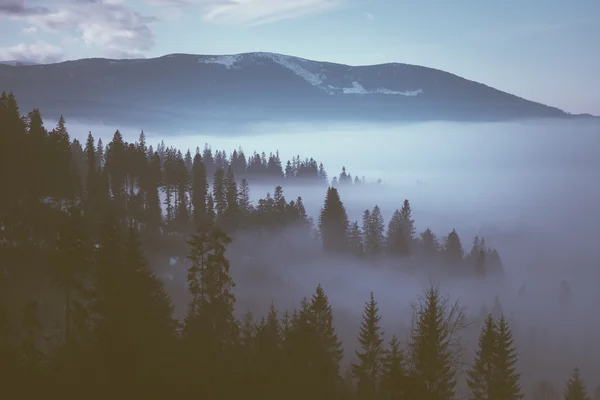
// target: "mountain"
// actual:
[[17, 63], [182, 90]]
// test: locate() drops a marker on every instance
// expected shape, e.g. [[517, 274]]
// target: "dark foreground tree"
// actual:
[[435, 348], [480, 378], [370, 366], [576, 388]]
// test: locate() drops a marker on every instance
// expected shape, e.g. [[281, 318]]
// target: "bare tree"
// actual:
[[545, 391], [436, 350]]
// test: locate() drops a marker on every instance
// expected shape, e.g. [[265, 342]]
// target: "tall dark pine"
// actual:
[[480, 267], [219, 195], [199, 191], [505, 360], [453, 250], [153, 207], [333, 223], [429, 243], [356, 240], [373, 229], [269, 356], [397, 240], [394, 380], [73, 253], [480, 378], [431, 349], [576, 388], [232, 212], [327, 364], [370, 366], [210, 329]]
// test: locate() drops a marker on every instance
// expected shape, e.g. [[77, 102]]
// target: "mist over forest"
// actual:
[[423, 197]]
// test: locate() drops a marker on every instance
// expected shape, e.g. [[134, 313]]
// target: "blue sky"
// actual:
[[543, 50]]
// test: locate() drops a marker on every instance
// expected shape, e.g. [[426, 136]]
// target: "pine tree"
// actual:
[[407, 221], [480, 267], [355, 240], [232, 212], [393, 380], [480, 378], [153, 208], [476, 248], [429, 243], [370, 367], [333, 223], [504, 361], [219, 194], [326, 365], [576, 388], [199, 191], [244, 202], [453, 249], [397, 242], [269, 346], [434, 348], [374, 231], [69, 262], [210, 329]]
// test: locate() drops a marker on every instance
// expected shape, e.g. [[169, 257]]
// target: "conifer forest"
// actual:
[[117, 282]]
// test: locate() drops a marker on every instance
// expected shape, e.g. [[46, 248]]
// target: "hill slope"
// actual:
[[189, 90]]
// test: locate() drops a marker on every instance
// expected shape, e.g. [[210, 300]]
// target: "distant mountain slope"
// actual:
[[17, 63], [184, 90]]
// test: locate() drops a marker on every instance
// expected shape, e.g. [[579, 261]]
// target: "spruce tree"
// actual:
[[232, 212], [199, 191], [393, 380], [429, 243], [480, 267], [269, 356], [369, 369], [576, 388], [153, 208], [434, 348], [70, 261], [219, 194], [244, 202], [480, 377], [373, 225], [355, 239], [333, 223], [504, 361], [453, 249], [407, 221]]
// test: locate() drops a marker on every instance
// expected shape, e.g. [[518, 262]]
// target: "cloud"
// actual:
[[253, 12], [109, 26], [30, 30], [40, 52], [18, 8], [369, 16]]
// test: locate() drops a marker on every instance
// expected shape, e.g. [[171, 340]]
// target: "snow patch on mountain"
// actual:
[[293, 64], [312, 72], [228, 61], [404, 93], [356, 88]]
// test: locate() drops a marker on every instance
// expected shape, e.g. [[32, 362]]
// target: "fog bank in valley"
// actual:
[[530, 189]]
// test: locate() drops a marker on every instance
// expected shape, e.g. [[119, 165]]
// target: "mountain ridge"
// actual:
[[205, 90]]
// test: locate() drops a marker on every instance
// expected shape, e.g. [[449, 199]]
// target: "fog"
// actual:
[[531, 189]]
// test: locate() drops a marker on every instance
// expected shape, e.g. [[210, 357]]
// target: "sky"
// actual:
[[543, 50]]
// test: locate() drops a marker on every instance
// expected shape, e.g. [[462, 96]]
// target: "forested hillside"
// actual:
[[84, 312]]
